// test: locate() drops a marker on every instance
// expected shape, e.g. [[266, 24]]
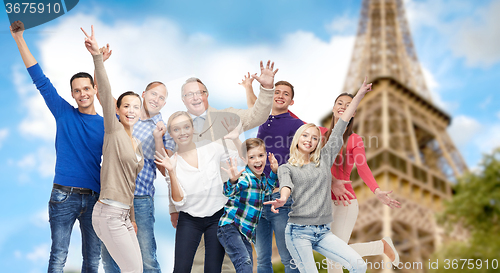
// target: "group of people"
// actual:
[[290, 184]]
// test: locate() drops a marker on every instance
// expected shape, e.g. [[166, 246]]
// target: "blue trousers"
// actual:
[[237, 247], [64, 209], [301, 240], [269, 222]]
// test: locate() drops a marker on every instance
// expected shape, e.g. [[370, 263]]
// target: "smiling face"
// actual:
[[282, 99], [181, 129], [195, 97], [83, 93], [308, 140], [341, 105], [154, 98], [256, 159], [129, 110]]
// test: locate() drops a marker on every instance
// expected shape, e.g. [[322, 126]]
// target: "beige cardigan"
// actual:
[[119, 164]]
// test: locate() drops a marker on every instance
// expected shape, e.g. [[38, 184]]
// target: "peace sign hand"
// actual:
[[91, 42]]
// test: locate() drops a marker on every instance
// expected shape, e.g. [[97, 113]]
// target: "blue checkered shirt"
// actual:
[[143, 131], [245, 203]]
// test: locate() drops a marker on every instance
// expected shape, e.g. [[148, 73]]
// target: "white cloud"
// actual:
[[434, 89], [4, 133], [38, 122], [489, 139], [43, 161], [479, 37], [46, 161], [40, 218], [40, 253], [471, 30], [343, 25], [28, 162], [141, 55], [486, 102], [463, 129], [498, 114]]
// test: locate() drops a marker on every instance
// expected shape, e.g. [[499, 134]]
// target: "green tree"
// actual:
[[475, 206]]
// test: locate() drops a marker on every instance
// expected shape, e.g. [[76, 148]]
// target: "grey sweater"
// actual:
[[311, 186]]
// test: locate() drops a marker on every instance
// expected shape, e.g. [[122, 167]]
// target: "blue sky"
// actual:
[[457, 41]]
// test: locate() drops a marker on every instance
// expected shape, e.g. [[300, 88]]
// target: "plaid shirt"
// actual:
[[143, 131], [245, 203]]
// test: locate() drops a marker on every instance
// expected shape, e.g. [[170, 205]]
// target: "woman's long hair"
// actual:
[[296, 158], [342, 156]]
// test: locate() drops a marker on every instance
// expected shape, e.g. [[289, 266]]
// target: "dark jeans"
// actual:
[[64, 209], [144, 218], [187, 238], [237, 247]]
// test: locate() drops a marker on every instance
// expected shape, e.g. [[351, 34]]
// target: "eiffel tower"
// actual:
[[408, 148]]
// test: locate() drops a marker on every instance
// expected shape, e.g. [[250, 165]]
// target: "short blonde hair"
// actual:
[[176, 115], [296, 158]]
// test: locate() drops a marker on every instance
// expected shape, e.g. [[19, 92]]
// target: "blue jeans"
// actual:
[[302, 240], [269, 222], [145, 219], [237, 247], [64, 209]]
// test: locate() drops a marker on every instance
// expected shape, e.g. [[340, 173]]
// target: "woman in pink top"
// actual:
[[345, 204]]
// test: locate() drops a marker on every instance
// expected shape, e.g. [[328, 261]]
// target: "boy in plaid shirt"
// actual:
[[246, 191]]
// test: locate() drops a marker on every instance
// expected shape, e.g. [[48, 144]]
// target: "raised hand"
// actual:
[[365, 88], [168, 163], [232, 170], [17, 30], [232, 126], [273, 163], [106, 52], [339, 190], [247, 81], [159, 130], [266, 77], [91, 42], [383, 196]]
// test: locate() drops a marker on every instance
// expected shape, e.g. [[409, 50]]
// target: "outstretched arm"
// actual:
[[365, 88], [277, 203], [17, 31], [247, 84], [106, 53], [108, 104]]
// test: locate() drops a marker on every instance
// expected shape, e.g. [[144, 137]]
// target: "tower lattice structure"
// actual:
[[408, 148]]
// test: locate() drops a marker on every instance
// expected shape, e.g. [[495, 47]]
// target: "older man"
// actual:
[[208, 127]]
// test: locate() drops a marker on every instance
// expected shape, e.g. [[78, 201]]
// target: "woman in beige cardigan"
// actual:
[[113, 215]]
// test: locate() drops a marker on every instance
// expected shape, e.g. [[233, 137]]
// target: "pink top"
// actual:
[[355, 155]]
